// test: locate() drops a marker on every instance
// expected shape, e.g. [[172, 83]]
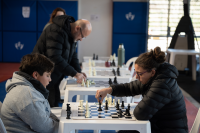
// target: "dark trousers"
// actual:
[[54, 94]]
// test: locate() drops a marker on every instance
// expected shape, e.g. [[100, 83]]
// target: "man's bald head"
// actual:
[[85, 25], [80, 29]]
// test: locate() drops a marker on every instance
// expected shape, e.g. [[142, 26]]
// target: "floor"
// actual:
[[190, 90]]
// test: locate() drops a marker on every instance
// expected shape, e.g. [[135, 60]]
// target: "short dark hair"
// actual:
[[151, 59], [36, 62]]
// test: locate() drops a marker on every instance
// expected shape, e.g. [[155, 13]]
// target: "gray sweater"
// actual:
[[25, 110]]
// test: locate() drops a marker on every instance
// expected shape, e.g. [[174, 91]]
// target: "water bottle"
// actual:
[[121, 55]]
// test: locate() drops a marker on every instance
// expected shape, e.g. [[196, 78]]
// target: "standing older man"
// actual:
[[58, 42]]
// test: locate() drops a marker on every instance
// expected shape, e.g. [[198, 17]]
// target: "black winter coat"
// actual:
[[57, 44], [163, 102]]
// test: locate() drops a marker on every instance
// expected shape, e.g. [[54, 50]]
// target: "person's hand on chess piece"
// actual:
[[84, 74], [102, 93], [79, 77]]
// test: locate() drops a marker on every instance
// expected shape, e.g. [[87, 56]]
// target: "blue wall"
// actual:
[[20, 33], [130, 24]]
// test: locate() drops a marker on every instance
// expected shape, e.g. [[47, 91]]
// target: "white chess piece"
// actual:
[[93, 63], [81, 105], [89, 62], [110, 101], [106, 98], [113, 102], [114, 57], [86, 104], [88, 83], [94, 72], [111, 57], [83, 83], [118, 101], [90, 71]]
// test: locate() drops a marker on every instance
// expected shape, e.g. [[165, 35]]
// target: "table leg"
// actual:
[[194, 67]]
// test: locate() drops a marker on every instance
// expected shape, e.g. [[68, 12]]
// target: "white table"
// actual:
[[125, 75], [72, 90], [174, 52], [67, 125], [86, 58], [101, 66]]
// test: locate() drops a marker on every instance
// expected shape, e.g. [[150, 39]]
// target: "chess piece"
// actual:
[[117, 106], [120, 113], [68, 116], [89, 62], [93, 63], [90, 71], [114, 73], [128, 113], [122, 104], [92, 82], [100, 109], [88, 83], [110, 101], [113, 63], [110, 82], [111, 57], [87, 114], [129, 106], [113, 102], [106, 98], [94, 72], [86, 104], [118, 72], [82, 108], [94, 56], [83, 83], [118, 101], [106, 107], [115, 80], [114, 56]]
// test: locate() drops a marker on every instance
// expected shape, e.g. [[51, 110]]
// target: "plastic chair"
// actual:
[[132, 60], [196, 125], [137, 98], [62, 88]]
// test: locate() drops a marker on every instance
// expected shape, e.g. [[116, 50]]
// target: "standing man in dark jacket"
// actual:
[[58, 43], [163, 102]]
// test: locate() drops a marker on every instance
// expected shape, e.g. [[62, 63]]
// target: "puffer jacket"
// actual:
[[56, 43], [163, 102]]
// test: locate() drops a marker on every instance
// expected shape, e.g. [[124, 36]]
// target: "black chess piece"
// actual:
[[117, 106], [114, 73], [122, 104], [113, 63], [68, 109], [100, 109], [106, 107], [96, 57], [120, 113], [110, 81], [118, 72], [128, 113], [93, 56], [68, 116], [129, 106], [115, 80]]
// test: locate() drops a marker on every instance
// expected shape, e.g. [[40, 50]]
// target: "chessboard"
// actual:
[[111, 113]]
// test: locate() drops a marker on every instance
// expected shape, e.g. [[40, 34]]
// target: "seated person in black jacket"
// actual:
[[163, 102]]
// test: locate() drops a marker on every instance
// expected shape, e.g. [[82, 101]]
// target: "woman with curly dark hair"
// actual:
[[163, 102]]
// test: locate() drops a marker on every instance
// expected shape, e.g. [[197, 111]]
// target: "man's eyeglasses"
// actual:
[[82, 34], [140, 74]]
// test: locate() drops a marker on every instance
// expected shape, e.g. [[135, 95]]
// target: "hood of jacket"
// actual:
[[20, 78], [64, 21]]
